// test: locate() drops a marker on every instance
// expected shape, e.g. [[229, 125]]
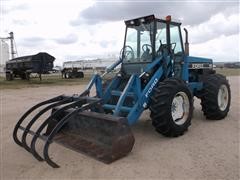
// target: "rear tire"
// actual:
[[215, 97], [171, 107]]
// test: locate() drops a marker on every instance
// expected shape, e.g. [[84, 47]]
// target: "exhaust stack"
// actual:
[[186, 42]]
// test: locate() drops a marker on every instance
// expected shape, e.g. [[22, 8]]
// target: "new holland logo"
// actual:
[[151, 87]]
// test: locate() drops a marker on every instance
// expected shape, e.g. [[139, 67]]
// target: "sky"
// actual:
[[76, 29]]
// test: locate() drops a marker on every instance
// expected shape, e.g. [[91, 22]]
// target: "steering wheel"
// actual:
[[145, 47], [128, 52], [162, 46], [173, 46]]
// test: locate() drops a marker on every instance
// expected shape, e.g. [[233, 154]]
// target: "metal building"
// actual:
[[4, 54]]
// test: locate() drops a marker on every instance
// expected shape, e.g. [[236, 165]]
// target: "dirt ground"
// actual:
[[209, 150]]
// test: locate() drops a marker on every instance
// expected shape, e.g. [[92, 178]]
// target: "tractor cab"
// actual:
[[146, 39]]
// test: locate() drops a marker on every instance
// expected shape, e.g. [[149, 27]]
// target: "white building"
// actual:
[[4, 54]]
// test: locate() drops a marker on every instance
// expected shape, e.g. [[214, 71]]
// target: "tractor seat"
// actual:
[[146, 56]]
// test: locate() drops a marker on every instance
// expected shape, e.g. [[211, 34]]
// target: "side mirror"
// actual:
[[186, 42]]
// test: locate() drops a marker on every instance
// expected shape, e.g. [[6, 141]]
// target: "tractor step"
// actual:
[[73, 124]]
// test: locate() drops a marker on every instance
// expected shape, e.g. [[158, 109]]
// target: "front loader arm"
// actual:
[[97, 81], [112, 67], [144, 99]]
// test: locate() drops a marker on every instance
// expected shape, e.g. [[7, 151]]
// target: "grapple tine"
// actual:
[[47, 158], [25, 133], [15, 138], [45, 123], [58, 127]]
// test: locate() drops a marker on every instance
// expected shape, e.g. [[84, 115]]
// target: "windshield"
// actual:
[[139, 43]]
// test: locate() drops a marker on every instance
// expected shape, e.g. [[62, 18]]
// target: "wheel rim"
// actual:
[[180, 108], [223, 97], [67, 75]]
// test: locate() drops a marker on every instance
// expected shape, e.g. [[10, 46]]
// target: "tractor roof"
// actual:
[[150, 18]]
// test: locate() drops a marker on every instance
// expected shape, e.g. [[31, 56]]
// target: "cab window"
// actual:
[[175, 39], [161, 37]]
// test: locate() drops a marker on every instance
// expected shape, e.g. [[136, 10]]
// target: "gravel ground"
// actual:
[[209, 150]]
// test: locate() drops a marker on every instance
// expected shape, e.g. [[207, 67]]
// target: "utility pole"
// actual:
[[12, 45]]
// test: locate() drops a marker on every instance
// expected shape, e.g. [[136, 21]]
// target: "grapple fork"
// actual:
[[73, 124]]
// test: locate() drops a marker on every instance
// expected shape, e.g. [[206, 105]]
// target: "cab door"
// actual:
[[177, 49]]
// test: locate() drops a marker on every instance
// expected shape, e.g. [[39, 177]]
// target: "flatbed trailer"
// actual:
[[72, 69]]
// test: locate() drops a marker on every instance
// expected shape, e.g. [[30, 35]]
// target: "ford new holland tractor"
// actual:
[[156, 73]]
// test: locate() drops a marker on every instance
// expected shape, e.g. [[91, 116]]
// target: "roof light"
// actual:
[[168, 18], [142, 20], [132, 22]]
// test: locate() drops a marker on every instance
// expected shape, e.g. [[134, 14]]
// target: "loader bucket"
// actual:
[[102, 136], [75, 125]]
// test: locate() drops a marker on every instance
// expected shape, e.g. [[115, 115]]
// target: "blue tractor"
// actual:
[[156, 73]]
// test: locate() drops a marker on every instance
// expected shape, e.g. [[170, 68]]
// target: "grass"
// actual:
[[47, 80], [57, 80], [228, 71]]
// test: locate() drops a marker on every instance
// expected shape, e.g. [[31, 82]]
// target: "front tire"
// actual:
[[216, 96], [171, 107]]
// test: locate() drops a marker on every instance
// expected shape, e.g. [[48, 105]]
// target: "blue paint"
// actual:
[[192, 59]]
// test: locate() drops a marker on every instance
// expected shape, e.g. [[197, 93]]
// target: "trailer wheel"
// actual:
[[9, 76], [64, 75], [67, 75], [216, 96], [22, 76], [27, 76], [171, 107], [81, 75]]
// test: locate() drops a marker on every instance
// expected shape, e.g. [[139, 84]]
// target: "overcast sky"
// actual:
[[72, 29]]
